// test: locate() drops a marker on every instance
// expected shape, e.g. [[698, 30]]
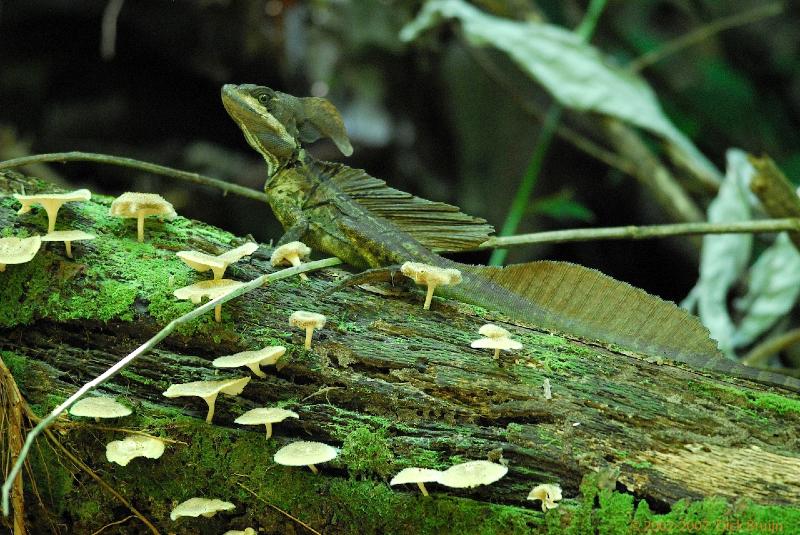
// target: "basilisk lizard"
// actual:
[[350, 214]]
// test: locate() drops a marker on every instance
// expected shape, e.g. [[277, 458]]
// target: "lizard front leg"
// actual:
[[294, 233]]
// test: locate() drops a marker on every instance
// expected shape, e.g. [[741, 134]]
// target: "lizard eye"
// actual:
[[263, 98]]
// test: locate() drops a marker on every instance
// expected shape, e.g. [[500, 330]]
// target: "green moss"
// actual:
[[366, 453], [617, 511], [17, 364], [757, 400]]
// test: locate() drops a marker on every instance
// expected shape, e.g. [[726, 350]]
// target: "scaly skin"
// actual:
[[312, 208]]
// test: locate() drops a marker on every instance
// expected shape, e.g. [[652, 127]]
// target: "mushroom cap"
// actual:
[[472, 474], [98, 407], [490, 330], [428, 274], [200, 506], [246, 531], [416, 475], [133, 204], [304, 319], [59, 198], [132, 446], [204, 389], [238, 253], [496, 343], [266, 356], [305, 453], [294, 248], [549, 494], [265, 415], [210, 289], [201, 261], [19, 250], [68, 235]]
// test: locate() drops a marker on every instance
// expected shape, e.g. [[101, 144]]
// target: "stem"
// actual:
[[429, 297], [52, 215], [522, 197], [68, 247], [309, 334], [140, 228], [218, 313], [269, 430], [295, 261], [77, 156], [313, 468], [422, 488], [147, 346], [647, 232], [497, 353], [211, 401], [256, 369]]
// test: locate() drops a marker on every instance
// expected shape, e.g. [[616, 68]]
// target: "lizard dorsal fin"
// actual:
[[576, 299], [435, 225]]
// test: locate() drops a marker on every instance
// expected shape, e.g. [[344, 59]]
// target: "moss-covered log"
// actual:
[[388, 384]]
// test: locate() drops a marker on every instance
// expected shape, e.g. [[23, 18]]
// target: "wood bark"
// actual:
[[657, 429]]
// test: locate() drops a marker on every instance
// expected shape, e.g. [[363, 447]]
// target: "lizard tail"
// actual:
[[575, 299]]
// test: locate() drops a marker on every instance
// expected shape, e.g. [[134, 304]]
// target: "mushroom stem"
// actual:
[[68, 246], [313, 468], [256, 369], [429, 297], [496, 353], [294, 260], [52, 214], [140, 227], [2, 268], [218, 313], [269, 430], [309, 332], [421, 486], [211, 400]]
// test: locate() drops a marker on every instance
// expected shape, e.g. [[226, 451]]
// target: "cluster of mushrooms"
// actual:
[[141, 205]]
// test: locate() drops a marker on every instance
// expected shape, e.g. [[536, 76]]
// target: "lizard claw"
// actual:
[[381, 274]]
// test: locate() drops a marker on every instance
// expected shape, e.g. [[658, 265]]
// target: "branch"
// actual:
[[759, 354], [150, 344], [195, 178], [642, 233]]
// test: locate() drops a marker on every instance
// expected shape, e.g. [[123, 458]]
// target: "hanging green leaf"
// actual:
[[772, 292], [562, 207], [575, 73]]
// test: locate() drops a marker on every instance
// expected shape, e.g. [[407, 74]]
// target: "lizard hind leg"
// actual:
[[390, 274]]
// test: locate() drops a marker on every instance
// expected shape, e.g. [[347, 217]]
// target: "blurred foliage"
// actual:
[[430, 117]]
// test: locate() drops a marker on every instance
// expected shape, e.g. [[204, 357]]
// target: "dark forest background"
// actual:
[[142, 79]]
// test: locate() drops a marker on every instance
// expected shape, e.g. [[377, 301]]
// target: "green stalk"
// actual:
[[523, 195]]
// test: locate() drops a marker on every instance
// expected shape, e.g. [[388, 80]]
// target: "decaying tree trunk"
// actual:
[[389, 383]]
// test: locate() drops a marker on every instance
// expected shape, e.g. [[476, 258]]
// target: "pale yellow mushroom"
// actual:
[[308, 321], [99, 407], [139, 206], [216, 263], [472, 474], [208, 390], [496, 338], [18, 250], [252, 359], [290, 253], [265, 416], [431, 276], [548, 494], [208, 289], [68, 236], [205, 507], [132, 446], [51, 202], [420, 476], [305, 454]]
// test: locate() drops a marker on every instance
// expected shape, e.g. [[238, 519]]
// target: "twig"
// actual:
[[522, 197], [11, 405], [148, 345], [775, 192], [281, 511], [195, 178], [108, 28], [112, 524], [701, 34], [646, 232], [759, 354]]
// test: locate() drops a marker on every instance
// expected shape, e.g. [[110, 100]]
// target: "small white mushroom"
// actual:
[[51, 202], [252, 359], [308, 321], [208, 390], [209, 289], [472, 474], [265, 416], [141, 205], [217, 264], [496, 338], [246, 531], [132, 446], [305, 454], [420, 476], [200, 507], [18, 250], [290, 253], [548, 494], [98, 407], [68, 236], [431, 276]]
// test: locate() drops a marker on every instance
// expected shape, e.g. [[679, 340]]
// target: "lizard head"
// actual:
[[254, 108]]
